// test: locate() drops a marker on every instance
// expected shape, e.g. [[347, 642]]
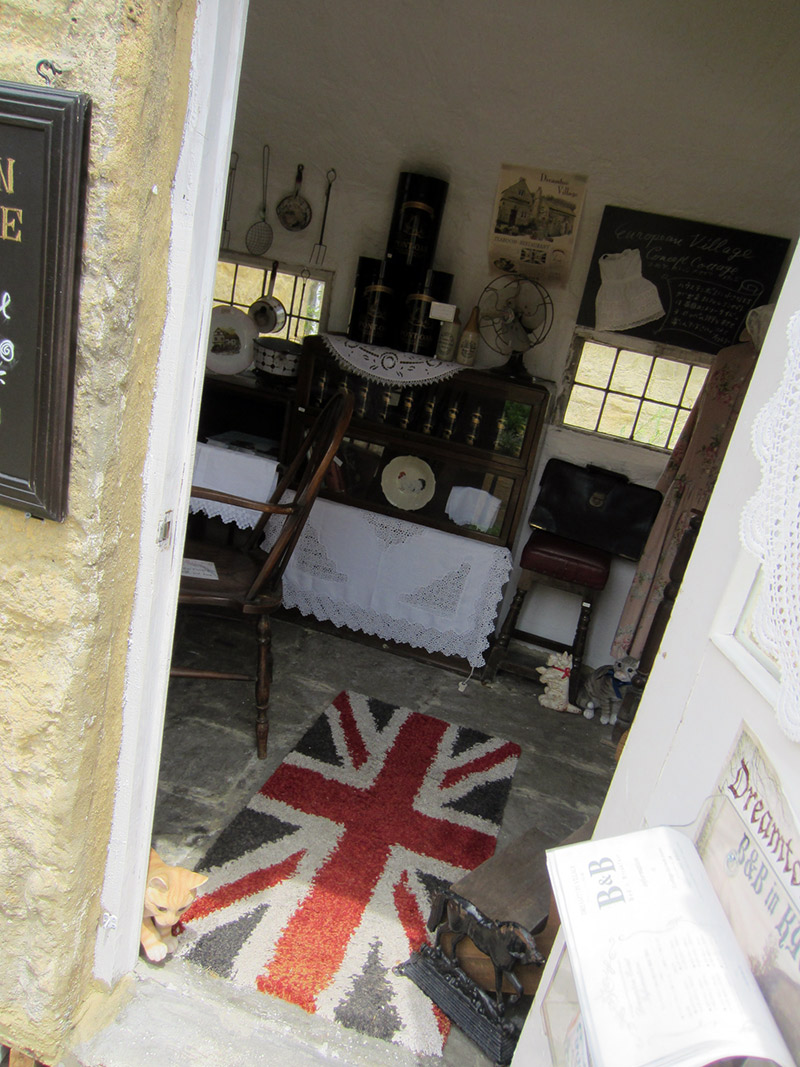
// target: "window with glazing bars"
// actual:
[[240, 282], [636, 396]]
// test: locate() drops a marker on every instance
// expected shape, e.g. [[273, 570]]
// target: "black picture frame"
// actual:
[[44, 140], [702, 278]]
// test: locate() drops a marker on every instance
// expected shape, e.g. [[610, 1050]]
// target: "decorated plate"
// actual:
[[408, 483], [230, 342]]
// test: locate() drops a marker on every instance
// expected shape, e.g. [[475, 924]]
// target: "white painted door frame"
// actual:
[[198, 195]]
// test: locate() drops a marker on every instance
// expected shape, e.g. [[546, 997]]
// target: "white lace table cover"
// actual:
[[232, 471], [381, 575], [397, 580]]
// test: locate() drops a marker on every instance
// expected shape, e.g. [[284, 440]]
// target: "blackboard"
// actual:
[[43, 151], [705, 277]]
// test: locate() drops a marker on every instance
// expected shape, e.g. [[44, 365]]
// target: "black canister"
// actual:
[[373, 315], [418, 332], [417, 216]]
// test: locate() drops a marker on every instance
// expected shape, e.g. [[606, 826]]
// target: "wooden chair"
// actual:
[[248, 580]]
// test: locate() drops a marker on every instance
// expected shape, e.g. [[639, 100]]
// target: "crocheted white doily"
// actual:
[[387, 365], [770, 529]]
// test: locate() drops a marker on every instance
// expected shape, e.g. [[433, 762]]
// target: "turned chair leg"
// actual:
[[499, 649], [263, 683], [578, 647]]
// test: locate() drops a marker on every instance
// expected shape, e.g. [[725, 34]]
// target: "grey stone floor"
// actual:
[[177, 1015]]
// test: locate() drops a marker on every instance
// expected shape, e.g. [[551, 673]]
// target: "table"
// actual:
[[232, 470], [382, 575]]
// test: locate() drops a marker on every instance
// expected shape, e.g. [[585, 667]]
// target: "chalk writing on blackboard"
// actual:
[[44, 140], [6, 357], [677, 281], [7, 351]]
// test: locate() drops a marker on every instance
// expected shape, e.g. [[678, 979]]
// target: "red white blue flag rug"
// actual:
[[323, 883]]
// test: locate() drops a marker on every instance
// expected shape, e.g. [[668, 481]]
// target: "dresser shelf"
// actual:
[[476, 432]]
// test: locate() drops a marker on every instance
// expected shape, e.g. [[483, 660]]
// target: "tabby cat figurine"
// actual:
[[604, 689], [169, 892]]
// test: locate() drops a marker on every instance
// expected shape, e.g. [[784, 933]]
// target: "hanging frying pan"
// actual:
[[294, 212], [268, 312]]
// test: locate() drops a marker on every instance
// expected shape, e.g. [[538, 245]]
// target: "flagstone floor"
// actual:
[[176, 1015]]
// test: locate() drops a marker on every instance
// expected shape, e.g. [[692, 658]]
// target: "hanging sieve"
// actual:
[[259, 237], [294, 212]]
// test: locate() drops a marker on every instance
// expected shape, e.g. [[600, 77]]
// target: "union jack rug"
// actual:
[[322, 884]]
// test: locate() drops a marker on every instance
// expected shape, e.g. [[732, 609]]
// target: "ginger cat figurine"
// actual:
[[169, 892]]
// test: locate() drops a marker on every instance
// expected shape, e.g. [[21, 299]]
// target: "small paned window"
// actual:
[[632, 395], [240, 282]]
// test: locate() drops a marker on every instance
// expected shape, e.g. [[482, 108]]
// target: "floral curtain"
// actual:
[[686, 483]]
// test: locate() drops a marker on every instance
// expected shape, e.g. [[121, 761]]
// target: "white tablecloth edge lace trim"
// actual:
[[407, 367], [244, 518], [770, 529], [469, 646]]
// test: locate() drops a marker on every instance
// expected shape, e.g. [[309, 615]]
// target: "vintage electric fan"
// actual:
[[514, 315]]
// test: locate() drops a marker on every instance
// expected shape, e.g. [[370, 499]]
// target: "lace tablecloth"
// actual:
[[232, 470], [397, 580], [384, 576]]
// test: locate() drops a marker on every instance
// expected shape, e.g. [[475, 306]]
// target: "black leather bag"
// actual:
[[596, 507]]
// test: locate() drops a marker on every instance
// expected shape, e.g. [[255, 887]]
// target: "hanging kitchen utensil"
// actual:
[[225, 237], [305, 275], [259, 237], [319, 250], [268, 312], [294, 212]]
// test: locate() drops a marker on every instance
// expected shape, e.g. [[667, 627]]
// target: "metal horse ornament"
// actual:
[[505, 943]]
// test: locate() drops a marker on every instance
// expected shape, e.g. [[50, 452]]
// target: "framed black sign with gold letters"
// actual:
[[43, 154]]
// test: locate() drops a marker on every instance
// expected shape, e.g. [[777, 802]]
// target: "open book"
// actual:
[[659, 975]]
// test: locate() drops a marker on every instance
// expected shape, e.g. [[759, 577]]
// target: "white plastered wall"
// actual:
[[688, 109]]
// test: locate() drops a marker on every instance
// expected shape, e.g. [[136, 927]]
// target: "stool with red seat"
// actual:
[[583, 517], [562, 564]]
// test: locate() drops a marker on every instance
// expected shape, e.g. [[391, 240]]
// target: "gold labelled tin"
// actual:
[[416, 218], [414, 238], [375, 320], [373, 312], [418, 329]]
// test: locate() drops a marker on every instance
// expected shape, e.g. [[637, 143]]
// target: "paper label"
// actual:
[[199, 568]]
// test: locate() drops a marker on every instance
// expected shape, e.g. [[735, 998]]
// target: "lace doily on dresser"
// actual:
[[380, 364], [770, 529], [397, 580]]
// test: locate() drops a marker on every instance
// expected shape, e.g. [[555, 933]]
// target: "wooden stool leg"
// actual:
[[499, 648], [577, 649], [263, 683]]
